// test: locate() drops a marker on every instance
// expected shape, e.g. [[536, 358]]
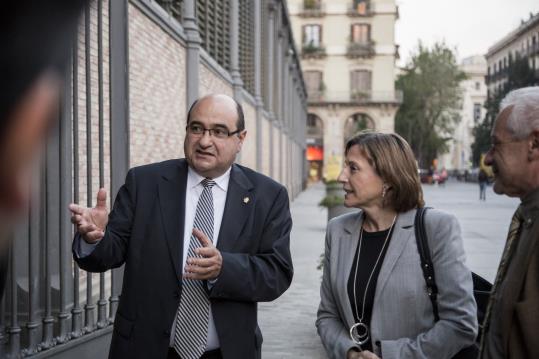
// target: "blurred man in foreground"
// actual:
[[35, 36]]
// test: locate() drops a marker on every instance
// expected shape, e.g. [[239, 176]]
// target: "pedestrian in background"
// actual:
[[374, 301], [512, 318], [482, 178]]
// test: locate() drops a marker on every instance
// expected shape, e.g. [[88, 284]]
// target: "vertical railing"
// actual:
[[102, 303], [66, 196], [14, 330], [76, 312], [32, 324], [89, 318]]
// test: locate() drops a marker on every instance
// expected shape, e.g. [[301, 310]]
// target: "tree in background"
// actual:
[[519, 74], [431, 102]]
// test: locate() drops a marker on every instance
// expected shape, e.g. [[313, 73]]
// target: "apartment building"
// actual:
[[348, 55]]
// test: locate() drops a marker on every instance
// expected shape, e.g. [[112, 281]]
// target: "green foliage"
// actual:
[[331, 201], [519, 74], [333, 184], [432, 100]]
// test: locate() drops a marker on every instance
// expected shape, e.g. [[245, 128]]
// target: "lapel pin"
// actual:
[[246, 200]]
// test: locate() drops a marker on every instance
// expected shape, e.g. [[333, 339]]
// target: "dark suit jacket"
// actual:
[[145, 232], [516, 314], [521, 317]]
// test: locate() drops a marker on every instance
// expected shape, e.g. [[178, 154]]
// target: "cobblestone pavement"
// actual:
[[288, 323]]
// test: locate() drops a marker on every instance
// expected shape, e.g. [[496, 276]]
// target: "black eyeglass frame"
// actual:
[[211, 131]]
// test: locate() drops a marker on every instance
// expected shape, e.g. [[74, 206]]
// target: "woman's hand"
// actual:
[[352, 354]]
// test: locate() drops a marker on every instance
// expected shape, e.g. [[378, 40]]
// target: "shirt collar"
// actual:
[[530, 205], [194, 179]]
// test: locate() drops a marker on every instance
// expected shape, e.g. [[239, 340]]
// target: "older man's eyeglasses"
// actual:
[[496, 144], [220, 132]]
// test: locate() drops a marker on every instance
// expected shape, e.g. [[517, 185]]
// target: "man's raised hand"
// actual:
[[91, 222]]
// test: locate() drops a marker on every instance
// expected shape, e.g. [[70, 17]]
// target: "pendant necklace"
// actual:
[[359, 332]]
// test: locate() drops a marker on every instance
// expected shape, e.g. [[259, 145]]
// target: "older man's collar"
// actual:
[[530, 206]]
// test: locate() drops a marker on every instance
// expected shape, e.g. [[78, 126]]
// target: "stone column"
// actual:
[[193, 49]]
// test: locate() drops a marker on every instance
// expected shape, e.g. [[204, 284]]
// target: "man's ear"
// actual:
[[241, 136], [533, 150]]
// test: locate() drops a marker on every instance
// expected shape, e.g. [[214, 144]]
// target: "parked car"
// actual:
[[430, 177]]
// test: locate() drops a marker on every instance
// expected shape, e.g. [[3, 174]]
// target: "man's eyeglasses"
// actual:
[[220, 132], [496, 144]]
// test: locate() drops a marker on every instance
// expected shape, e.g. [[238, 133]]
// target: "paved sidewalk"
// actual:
[[288, 323]]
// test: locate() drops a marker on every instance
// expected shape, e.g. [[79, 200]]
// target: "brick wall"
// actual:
[[157, 84]]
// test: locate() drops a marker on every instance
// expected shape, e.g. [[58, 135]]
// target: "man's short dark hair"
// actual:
[[240, 122], [35, 36]]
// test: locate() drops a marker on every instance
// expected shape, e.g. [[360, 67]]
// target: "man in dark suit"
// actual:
[[202, 239], [512, 318], [35, 36]]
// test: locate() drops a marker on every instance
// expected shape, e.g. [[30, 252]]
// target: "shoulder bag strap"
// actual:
[[426, 262]]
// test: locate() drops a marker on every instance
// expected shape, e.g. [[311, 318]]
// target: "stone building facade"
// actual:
[[348, 58]]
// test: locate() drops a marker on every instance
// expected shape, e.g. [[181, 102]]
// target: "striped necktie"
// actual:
[[510, 245], [194, 310]]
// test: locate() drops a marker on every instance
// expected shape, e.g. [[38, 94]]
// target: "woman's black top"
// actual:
[[371, 246]]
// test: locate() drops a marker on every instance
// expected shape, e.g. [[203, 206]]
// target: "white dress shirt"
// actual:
[[194, 190]]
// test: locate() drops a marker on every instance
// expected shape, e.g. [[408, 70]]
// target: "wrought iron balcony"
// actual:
[[363, 9], [355, 97], [313, 51], [312, 9], [360, 49]]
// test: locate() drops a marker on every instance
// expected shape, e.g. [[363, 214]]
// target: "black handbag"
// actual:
[[481, 287]]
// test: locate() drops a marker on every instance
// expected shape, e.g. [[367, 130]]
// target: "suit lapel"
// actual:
[[349, 245], [172, 189], [515, 280], [239, 204], [404, 228]]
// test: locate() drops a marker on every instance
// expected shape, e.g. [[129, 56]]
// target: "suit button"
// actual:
[[166, 333]]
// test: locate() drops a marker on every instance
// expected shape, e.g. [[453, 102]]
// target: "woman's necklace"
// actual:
[[359, 332]]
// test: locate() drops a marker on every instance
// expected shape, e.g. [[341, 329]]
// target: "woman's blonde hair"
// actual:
[[393, 160]]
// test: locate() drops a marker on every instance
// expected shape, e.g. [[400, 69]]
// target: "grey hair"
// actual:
[[524, 117]]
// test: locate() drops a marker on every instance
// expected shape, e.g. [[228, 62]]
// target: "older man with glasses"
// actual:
[[202, 239], [512, 320]]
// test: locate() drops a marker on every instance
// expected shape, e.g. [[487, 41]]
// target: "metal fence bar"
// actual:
[[119, 111], [76, 311], [89, 307], [102, 303], [52, 219], [33, 268], [65, 235], [3, 326], [14, 331]]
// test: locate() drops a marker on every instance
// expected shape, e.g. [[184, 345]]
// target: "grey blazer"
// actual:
[[402, 324]]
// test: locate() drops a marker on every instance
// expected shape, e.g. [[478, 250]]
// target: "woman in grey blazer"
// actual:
[[374, 302]]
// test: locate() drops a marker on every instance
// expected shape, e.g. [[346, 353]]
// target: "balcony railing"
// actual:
[[361, 9], [355, 97], [360, 49], [532, 50], [313, 51], [313, 9]]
